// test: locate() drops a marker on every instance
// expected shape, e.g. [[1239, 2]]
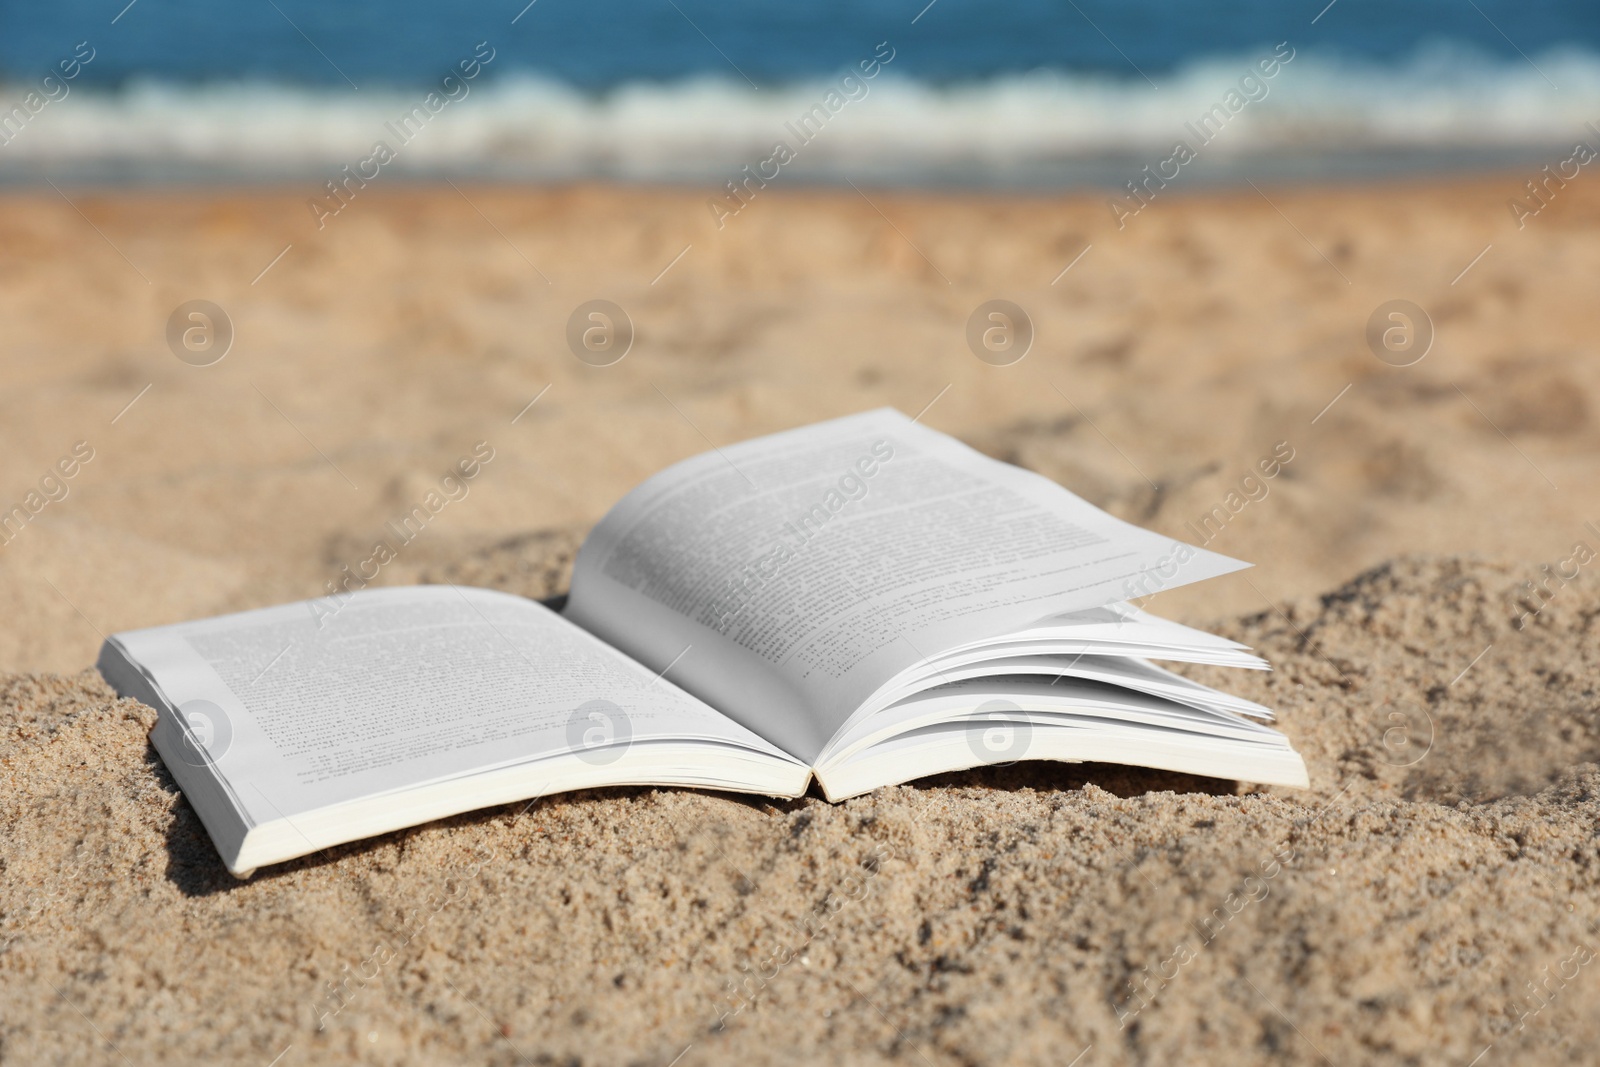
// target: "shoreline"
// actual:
[[1341, 168]]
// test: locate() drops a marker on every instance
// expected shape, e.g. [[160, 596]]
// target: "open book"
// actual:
[[863, 601]]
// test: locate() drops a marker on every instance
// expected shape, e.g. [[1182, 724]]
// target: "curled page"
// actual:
[[791, 577]]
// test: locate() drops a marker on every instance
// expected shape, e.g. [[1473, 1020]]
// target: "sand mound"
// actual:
[[1434, 894]]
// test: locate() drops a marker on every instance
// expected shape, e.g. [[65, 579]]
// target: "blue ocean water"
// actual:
[[1029, 92], [601, 44]]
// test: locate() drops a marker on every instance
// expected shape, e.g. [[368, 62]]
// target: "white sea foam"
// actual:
[[1440, 99]]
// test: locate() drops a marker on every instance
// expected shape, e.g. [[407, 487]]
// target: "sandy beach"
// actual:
[[1432, 896], [1172, 357]]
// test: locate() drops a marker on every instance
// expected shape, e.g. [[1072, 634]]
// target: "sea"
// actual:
[[1025, 94]]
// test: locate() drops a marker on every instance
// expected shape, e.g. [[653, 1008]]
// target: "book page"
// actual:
[[801, 571], [307, 705]]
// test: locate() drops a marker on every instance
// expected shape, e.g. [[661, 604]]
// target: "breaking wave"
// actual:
[[1443, 102]]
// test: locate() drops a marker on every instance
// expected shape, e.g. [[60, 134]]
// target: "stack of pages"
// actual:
[[864, 601]]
